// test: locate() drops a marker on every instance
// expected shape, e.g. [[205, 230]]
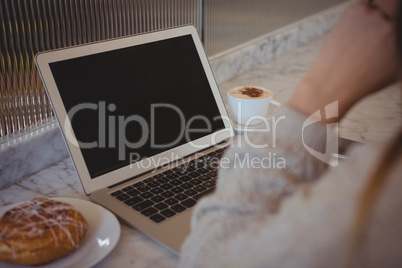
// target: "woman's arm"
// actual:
[[357, 59]]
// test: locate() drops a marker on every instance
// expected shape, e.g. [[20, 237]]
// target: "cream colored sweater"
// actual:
[[294, 215]]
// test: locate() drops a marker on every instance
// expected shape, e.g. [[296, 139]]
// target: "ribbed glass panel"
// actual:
[[229, 23], [30, 26]]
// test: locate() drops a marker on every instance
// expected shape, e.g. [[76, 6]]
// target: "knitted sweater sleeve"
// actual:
[[256, 174]]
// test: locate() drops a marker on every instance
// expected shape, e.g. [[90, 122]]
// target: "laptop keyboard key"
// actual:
[[178, 208], [191, 192], [202, 170], [146, 195], [161, 206], [143, 205], [157, 218], [133, 193], [148, 212], [212, 166], [116, 193], [186, 185], [181, 197], [177, 190], [168, 213], [153, 184], [185, 178], [204, 178], [157, 198], [194, 174], [162, 180], [185, 170], [167, 194], [175, 182], [191, 164], [166, 186], [133, 201], [143, 188], [172, 176], [123, 197], [213, 174], [189, 203], [209, 184], [195, 181], [181, 172], [200, 188], [156, 190], [190, 168], [128, 188], [171, 201]]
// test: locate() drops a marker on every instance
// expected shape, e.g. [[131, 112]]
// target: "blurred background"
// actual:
[[30, 26], [228, 23]]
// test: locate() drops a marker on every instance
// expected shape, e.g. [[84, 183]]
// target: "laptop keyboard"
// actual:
[[173, 191]]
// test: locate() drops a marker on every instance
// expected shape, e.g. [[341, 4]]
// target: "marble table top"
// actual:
[[374, 119]]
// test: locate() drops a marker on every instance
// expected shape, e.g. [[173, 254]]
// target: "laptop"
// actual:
[[144, 123]]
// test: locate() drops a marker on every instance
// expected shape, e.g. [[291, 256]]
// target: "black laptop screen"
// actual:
[[132, 103]]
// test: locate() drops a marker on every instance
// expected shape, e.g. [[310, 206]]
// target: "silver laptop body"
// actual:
[[132, 111]]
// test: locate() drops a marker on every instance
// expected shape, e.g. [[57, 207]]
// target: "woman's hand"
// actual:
[[359, 57]]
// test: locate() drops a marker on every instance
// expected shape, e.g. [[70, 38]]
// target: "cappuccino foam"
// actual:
[[251, 93]]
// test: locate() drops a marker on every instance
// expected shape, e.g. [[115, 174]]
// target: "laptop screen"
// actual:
[[132, 103]]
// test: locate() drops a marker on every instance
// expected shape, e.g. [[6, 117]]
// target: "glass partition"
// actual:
[[30, 26]]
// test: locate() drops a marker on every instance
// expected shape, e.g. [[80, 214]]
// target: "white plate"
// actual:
[[102, 236]]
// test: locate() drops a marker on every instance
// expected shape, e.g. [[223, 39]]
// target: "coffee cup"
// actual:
[[249, 105]]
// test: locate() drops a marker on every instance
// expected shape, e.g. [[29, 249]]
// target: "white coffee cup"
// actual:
[[249, 105]]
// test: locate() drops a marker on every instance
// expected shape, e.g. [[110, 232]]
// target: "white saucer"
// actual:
[[262, 127], [102, 236], [239, 129]]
